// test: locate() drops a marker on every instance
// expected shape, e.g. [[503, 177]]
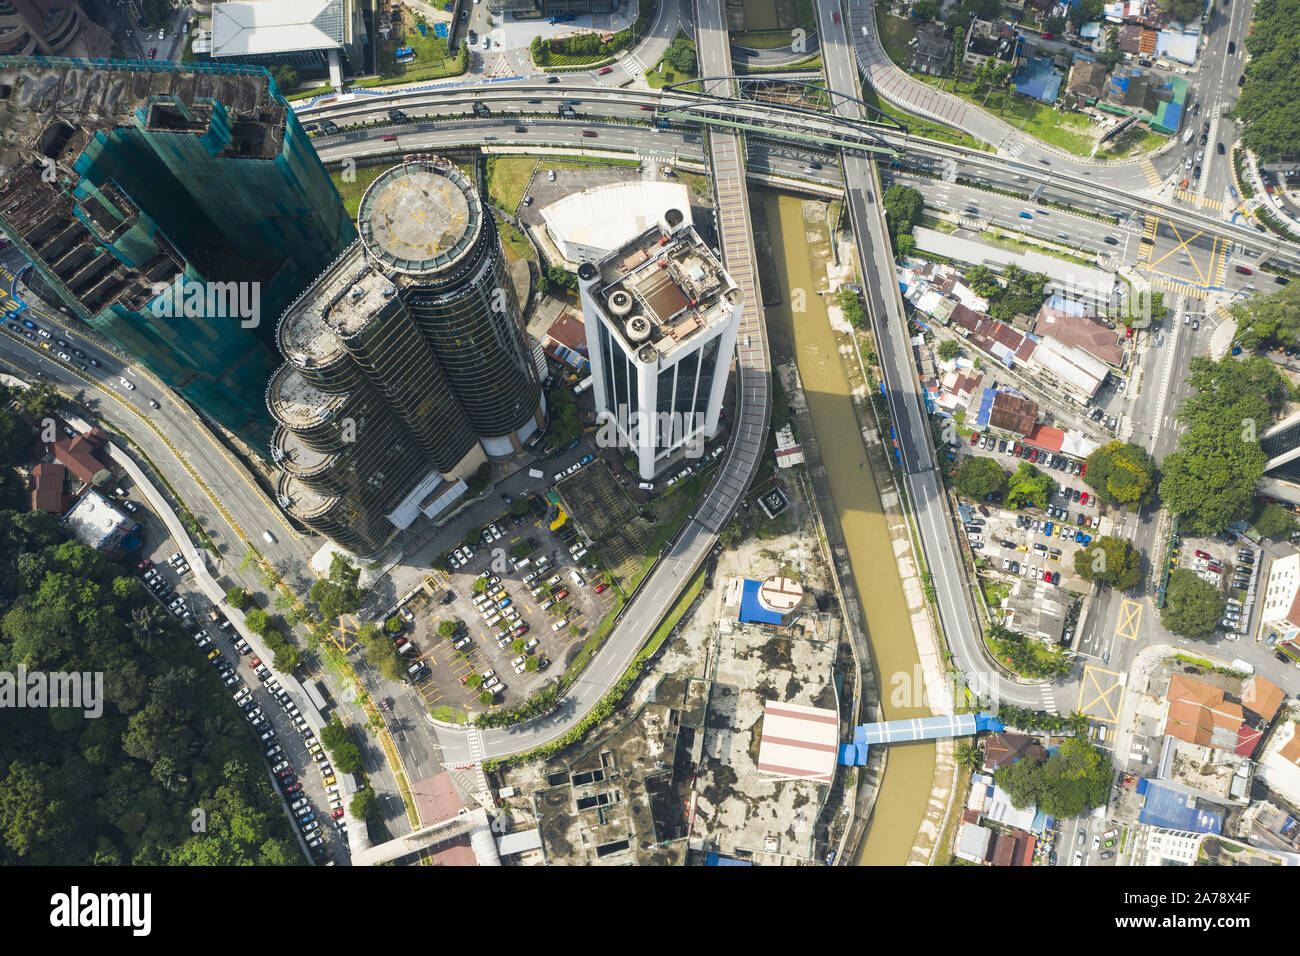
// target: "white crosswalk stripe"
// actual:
[[1049, 701]]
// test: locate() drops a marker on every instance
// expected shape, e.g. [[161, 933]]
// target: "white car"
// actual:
[[127, 384]]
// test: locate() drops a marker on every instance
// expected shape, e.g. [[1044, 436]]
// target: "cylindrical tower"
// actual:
[[423, 225]]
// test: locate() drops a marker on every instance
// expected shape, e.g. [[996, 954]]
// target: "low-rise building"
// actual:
[[990, 39], [47, 488], [97, 523], [1280, 608], [931, 51]]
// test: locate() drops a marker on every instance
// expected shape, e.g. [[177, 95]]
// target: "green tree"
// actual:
[[532, 664], [1274, 521], [563, 411], [1210, 480], [474, 680], [1270, 319], [925, 10], [257, 620], [539, 51], [680, 55], [382, 656], [365, 806], [1110, 561], [338, 593], [446, 629], [983, 281], [286, 78], [969, 756], [1029, 486], [441, 563], [903, 208], [394, 624], [522, 549], [1122, 474], [517, 645], [486, 697], [237, 598], [979, 477], [1071, 781], [480, 584], [949, 349], [1193, 608], [341, 747]]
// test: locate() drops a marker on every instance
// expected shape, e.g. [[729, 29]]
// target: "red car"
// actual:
[[563, 593], [1045, 36], [1202, 554], [521, 630], [588, 132], [337, 813], [293, 788], [1083, 498], [1084, 469], [974, 438], [144, 565], [1128, 334], [604, 69], [255, 663], [390, 138], [463, 679], [1033, 455], [601, 586], [647, 107], [835, 17], [1214, 567]]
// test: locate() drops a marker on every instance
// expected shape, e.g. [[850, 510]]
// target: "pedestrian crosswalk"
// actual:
[[1149, 226], [1220, 268], [1206, 202], [1149, 171], [1049, 699], [1183, 286], [633, 65]]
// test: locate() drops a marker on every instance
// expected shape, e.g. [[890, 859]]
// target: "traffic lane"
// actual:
[[239, 496], [652, 603]]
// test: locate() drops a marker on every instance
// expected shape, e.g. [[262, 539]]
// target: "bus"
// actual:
[[314, 695]]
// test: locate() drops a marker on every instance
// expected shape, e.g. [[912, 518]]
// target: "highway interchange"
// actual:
[[1019, 165]]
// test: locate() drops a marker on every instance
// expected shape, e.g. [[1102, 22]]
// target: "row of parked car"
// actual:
[[1035, 456]]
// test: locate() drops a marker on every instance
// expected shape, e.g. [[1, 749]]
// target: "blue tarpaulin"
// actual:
[[751, 612], [1166, 807], [1038, 78]]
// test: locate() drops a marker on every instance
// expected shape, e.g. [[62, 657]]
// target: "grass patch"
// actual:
[[507, 178], [432, 61], [1239, 167], [895, 35], [762, 39], [308, 94], [516, 243], [442, 712], [697, 182], [994, 592], [353, 191], [1134, 141], [813, 62], [997, 237]]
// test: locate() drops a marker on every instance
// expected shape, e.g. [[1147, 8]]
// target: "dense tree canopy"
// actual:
[[1193, 608], [1110, 561], [1272, 89], [337, 593], [1122, 474], [1071, 781], [565, 425], [342, 748], [903, 208], [1270, 319], [1029, 486], [120, 788], [1274, 521], [1210, 480], [978, 477]]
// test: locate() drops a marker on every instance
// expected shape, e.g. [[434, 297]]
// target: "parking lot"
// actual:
[[1030, 542], [313, 798], [1233, 567], [547, 599]]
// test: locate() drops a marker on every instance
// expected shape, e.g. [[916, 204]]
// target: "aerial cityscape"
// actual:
[[650, 432]]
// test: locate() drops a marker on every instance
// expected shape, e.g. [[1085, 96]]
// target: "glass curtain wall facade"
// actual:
[[174, 174]]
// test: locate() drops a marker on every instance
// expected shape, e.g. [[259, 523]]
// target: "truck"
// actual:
[[1187, 137], [536, 473], [1244, 666]]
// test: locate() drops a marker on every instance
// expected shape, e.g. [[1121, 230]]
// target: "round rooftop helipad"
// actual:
[[420, 217]]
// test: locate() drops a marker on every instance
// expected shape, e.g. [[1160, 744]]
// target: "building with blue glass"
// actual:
[[129, 184]]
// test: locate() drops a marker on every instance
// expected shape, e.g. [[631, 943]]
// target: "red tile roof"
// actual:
[[47, 488], [569, 331], [1086, 333], [1262, 696], [1197, 708], [1046, 438], [80, 455]]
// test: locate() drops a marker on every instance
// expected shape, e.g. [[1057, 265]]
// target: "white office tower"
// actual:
[[661, 316]]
